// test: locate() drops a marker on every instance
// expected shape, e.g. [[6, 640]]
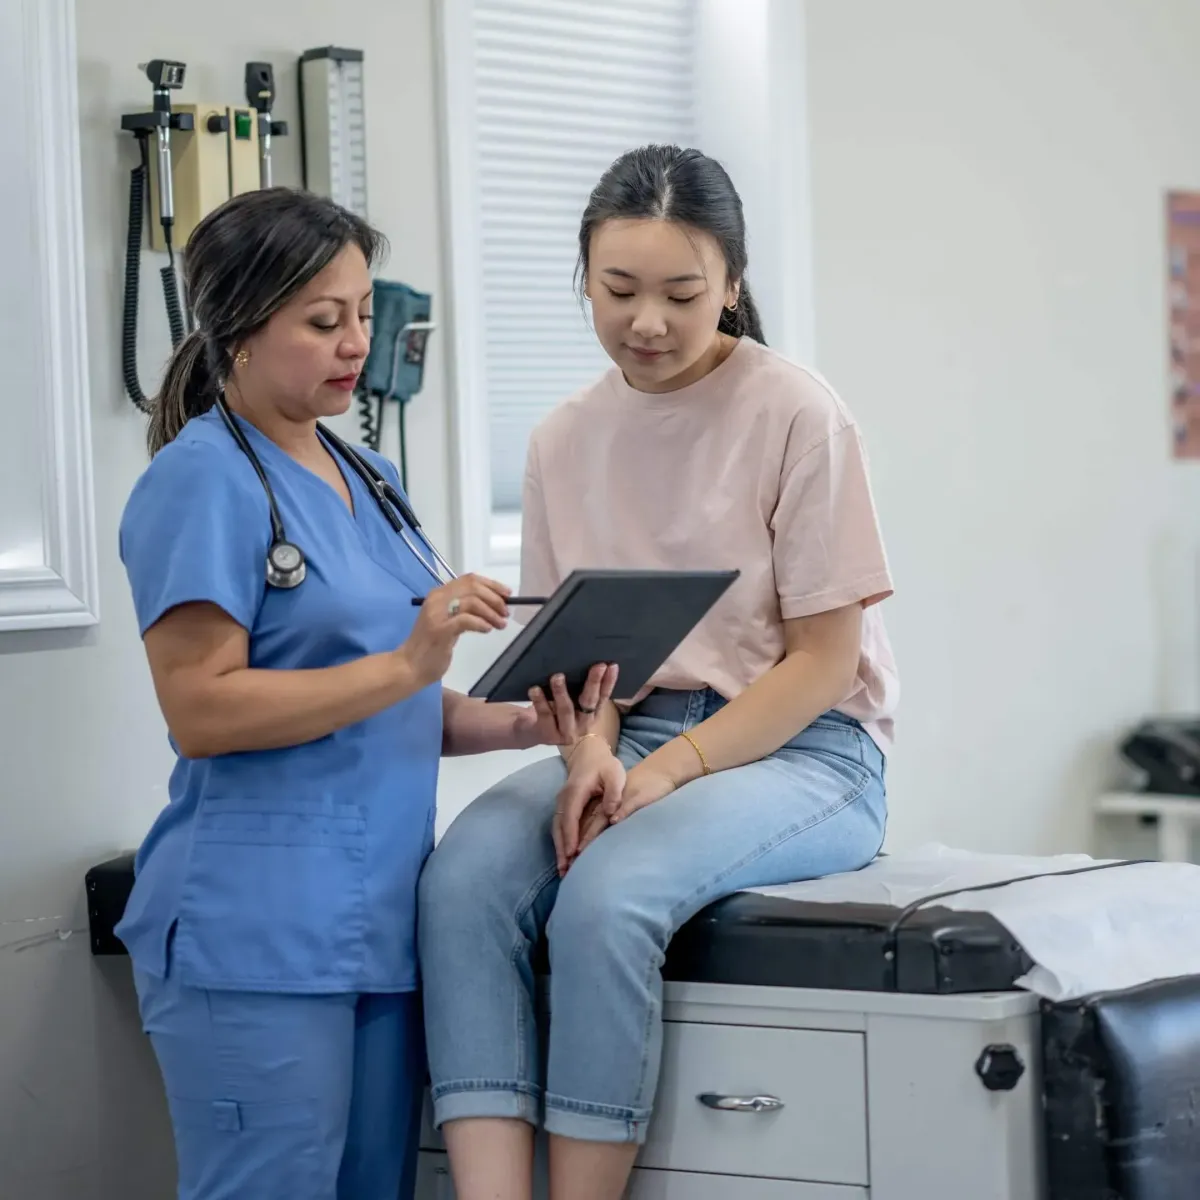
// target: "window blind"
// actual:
[[562, 88]]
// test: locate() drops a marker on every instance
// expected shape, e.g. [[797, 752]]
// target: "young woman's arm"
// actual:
[[215, 703], [816, 674]]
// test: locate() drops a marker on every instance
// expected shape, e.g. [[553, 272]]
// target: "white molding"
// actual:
[[752, 116], [470, 469], [788, 111], [62, 590]]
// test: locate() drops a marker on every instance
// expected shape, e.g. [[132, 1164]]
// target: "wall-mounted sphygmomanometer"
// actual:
[[203, 155], [333, 156]]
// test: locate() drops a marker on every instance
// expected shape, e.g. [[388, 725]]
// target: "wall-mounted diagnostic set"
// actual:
[[203, 154], [196, 155]]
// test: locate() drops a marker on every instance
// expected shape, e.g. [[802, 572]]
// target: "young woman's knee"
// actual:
[[601, 910]]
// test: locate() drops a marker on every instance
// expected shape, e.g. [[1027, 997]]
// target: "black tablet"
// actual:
[[632, 618]]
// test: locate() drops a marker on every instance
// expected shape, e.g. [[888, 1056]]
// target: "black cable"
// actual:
[[893, 930], [403, 447], [170, 287], [138, 178]]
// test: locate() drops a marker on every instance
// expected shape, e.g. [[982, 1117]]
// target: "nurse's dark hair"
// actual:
[[669, 183], [242, 263]]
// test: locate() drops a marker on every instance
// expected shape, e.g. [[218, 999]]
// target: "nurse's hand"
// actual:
[[557, 721], [470, 604]]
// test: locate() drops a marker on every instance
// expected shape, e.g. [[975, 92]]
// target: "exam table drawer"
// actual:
[[819, 1132]]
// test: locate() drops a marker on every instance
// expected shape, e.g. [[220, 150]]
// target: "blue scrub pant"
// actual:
[[287, 1097]]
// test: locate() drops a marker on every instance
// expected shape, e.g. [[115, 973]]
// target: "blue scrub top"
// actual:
[[291, 870]]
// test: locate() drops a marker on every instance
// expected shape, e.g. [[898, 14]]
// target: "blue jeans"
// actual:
[[288, 1097], [491, 889]]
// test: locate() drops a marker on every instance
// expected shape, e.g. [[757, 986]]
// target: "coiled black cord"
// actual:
[[138, 181], [170, 287], [370, 419]]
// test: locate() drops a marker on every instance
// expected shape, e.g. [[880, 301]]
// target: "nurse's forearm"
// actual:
[[250, 709], [471, 726]]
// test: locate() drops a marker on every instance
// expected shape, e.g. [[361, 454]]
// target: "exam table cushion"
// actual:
[[765, 941]]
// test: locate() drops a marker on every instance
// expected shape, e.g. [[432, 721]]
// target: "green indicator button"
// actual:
[[242, 125]]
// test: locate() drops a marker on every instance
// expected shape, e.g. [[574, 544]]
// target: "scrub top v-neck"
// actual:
[[290, 870]]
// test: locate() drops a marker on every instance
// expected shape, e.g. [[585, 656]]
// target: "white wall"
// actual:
[[82, 747], [988, 293], [987, 209]]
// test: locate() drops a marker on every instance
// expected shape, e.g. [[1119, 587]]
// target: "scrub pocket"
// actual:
[[273, 895]]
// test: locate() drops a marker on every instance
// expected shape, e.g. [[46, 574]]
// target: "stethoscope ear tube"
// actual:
[[286, 567], [393, 506]]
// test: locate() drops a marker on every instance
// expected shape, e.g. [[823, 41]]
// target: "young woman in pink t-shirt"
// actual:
[[756, 756]]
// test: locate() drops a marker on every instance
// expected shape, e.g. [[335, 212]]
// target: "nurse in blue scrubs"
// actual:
[[271, 924]]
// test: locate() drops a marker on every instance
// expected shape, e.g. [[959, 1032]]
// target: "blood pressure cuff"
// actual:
[[396, 363]]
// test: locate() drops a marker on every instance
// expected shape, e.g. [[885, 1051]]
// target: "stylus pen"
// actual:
[[530, 600]]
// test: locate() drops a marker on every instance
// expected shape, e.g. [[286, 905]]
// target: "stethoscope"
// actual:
[[286, 567]]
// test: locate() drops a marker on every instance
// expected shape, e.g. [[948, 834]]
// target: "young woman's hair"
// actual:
[[667, 183], [243, 262]]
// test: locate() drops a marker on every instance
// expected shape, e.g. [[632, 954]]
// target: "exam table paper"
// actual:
[[1101, 931]]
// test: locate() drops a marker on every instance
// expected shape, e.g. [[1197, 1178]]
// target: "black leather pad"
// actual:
[[765, 941], [108, 885], [1122, 1094], [771, 941]]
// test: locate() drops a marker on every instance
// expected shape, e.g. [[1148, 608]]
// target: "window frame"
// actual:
[[51, 579], [761, 88]]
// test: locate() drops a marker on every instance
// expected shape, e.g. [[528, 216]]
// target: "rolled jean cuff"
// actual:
[[459, 1102], [594, 1122]]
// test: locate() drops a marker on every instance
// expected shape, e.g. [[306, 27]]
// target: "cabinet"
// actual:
[[808, 1094]]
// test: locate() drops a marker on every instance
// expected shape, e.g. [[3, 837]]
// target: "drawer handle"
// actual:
[[748, 1104]]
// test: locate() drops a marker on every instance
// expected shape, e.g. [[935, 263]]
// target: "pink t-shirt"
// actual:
[[758, 467]]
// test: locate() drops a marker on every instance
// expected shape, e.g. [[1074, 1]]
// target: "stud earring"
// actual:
[[241, 358]]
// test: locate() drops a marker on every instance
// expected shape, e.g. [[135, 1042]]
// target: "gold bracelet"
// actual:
[[691, 741], [579, 742]]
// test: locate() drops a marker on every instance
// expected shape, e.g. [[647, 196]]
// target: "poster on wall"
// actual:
[[1183, 316]]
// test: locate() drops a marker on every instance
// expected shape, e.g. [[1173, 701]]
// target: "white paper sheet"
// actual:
[[1100, 931]]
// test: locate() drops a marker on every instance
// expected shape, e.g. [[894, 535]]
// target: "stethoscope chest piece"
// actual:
[[286, 567], [285, 560]]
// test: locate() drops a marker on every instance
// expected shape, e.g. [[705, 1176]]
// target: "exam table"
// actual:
[[819, 1049]]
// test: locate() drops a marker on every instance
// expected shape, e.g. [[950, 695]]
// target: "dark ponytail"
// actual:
[[242, 264], [667, 183], [189, 389]]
